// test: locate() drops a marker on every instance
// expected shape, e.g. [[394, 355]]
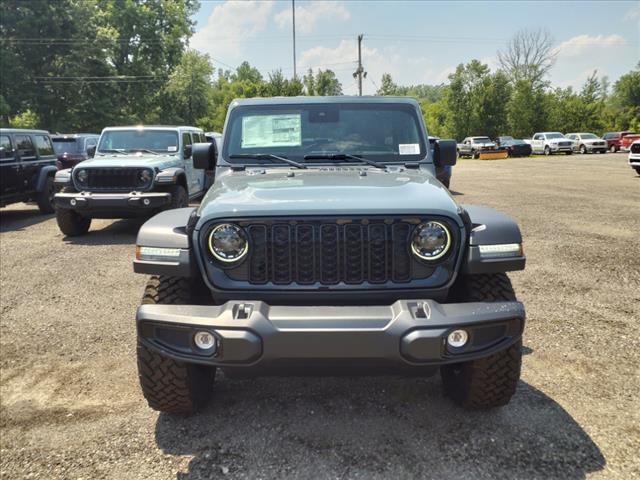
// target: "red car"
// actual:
[[620, 140], [73, 149]]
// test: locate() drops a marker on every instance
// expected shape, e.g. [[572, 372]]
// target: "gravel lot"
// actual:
[[71, 406]]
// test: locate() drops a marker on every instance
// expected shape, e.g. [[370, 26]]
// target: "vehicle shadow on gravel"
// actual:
[[16, 220], [120, 232], [381, 427]]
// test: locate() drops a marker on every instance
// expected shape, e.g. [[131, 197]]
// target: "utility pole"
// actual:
[[359, 73], [293, 11]]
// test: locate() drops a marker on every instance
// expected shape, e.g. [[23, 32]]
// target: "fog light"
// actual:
[[146, 201], [204, 340], [73, 202], [457, 338]]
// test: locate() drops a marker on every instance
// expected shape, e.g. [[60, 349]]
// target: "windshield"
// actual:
[[554, 135], [588, 135], [481, 139], [66, 145], [380, 132], [160, 141]]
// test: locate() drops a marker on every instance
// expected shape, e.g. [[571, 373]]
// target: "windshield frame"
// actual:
[[109, 151], [235, 114]]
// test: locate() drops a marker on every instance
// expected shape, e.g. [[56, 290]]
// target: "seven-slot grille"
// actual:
[[114, 179], [330, 252]]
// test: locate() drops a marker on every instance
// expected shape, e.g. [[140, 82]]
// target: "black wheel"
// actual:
[[583, 149], [491, 381], [637, 169], [179, 197], [44, 199], [613, 149], [167, 384], [71, 223], [547, 151]]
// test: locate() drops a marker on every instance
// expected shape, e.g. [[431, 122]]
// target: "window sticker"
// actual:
[[172, 148], [409, 149], [271, 130]]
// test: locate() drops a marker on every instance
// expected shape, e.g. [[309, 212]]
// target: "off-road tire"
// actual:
[[179, 197], [167, 384], [491, 381], [71, 223], [44, 198]]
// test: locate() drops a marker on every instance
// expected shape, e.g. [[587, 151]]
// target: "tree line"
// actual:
[[80, 65]]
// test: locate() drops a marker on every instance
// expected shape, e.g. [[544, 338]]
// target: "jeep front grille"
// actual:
[[115, 179], [352, 251]]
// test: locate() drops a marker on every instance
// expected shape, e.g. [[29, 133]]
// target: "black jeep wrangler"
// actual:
[[27, 167]]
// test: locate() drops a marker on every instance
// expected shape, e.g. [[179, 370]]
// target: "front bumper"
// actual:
[[634, 159], [255, 335], [557, 148], [130, 202]]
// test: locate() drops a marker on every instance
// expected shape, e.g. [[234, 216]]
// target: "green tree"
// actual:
[[525, 109], [324, 82], [27, 119], [387, 87], [189, 87]]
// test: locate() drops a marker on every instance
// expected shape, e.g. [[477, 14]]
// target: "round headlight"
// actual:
[[228, 242], [144, 177], [81, 176], [430, 241]]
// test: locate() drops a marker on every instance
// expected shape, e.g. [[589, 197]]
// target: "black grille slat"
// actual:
[[377, 253], [329, 247], [331, 252], [635, 148], [305, 254], [281, 252], [258, 262]]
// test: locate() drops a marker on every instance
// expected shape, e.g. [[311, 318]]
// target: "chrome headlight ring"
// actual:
[[228, 243], [431, 241]]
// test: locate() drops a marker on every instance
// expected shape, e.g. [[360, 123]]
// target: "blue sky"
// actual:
[[416, 41]]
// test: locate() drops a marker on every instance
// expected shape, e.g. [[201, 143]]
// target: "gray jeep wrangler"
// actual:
[[326, 245], [136, 171]]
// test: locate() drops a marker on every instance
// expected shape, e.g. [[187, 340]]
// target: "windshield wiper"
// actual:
[[268, 156], [146, 150], [344, 156], [112, 150]]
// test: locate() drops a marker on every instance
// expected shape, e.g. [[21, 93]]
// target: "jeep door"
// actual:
[[28, 161], [10, 178], [195, 178]]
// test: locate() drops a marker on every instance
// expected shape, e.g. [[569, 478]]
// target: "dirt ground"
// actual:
[[71, 406]]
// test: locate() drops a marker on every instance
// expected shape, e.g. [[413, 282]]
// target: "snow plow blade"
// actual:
[[494, 155]]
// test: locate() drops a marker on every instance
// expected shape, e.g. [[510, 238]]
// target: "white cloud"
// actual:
[[633, 14], [403, 68], [229, 25], [581, 44], [307, 16]]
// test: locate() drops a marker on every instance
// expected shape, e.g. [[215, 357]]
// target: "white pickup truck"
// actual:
[[550, 142]]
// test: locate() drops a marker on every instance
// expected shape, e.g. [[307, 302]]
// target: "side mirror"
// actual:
[[91, 151], [445, 153], [205, 155], [188, 149]]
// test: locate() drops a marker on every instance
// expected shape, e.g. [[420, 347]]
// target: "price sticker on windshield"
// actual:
[[271, 131], [409, 149]]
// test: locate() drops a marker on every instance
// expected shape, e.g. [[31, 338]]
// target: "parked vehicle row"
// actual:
[[617, 141]]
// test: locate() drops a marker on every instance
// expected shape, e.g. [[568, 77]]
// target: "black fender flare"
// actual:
[[168, 230], [45, 172], [491, 227]]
